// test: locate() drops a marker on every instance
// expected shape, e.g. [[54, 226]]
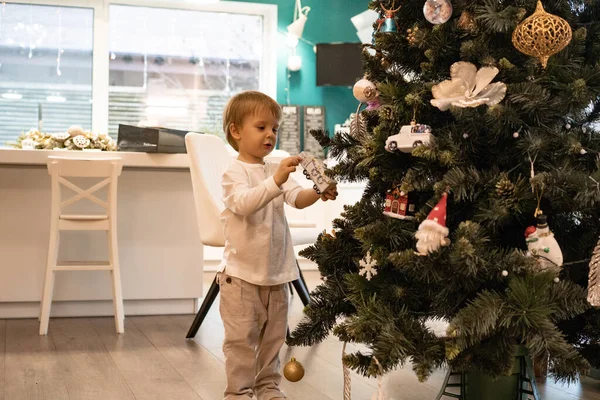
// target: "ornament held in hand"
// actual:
[[433, 233], [364, 91], [314, 169], [543, 246], [468, 87], [293, 370], [437, 11]]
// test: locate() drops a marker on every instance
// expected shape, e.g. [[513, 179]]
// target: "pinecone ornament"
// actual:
[[506, 191], [386, 112]]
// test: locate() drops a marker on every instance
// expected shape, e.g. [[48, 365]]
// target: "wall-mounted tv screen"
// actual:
[[339, 64]]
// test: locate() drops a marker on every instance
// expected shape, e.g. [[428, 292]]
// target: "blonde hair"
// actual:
[[244, 104]]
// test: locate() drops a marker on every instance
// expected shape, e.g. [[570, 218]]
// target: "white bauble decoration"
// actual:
[[75, 130], [364, 90], [294, 63], [28, 144], [437, 11]]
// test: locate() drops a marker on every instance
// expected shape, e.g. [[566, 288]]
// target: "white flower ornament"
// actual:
[[468, 87]]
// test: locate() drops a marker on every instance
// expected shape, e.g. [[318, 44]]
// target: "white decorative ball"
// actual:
[[516, 135], [465, 135], [582, 151], [364, 90], [294, 63], [75, 130], [568, 126], [28, 144], [556, 280], [504, 273]]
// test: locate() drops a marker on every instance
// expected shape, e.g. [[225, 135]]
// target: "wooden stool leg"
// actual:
[[49, 281], [115, 275]]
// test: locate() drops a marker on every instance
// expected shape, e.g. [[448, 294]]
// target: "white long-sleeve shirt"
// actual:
[[258, 243]]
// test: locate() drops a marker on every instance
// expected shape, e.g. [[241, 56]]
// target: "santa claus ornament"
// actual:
[[543, 246], [433, 233]]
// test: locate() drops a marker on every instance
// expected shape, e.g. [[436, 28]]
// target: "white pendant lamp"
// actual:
[[300, 16]]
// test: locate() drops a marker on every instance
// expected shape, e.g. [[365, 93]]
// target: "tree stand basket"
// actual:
[[520, 385]]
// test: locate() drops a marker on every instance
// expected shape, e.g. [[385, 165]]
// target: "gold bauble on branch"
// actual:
[[542, 35], [466, 22], [293, 370]]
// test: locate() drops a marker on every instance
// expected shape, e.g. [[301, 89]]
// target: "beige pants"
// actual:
[[255, 320]]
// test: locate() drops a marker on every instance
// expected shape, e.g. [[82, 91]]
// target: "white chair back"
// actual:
[[209, 160], [60, 168]]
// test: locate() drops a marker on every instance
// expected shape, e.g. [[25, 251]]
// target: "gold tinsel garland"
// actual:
[[594, 279], [542, 35]]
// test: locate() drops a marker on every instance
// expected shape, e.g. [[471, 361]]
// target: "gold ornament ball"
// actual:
[[293, 371], [542, 35], [466, 22]]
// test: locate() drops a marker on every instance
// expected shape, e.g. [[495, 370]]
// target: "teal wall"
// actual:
[[328, 21]]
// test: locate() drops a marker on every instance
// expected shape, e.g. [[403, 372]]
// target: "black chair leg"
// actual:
[[206, 304], [301, 288]]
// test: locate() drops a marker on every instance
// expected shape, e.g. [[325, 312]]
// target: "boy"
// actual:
[[258, 260]]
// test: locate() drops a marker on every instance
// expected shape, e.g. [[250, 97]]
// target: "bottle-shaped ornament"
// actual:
[[388, 23], [543, 246]]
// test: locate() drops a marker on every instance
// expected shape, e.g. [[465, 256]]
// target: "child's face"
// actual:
[[256, 137]]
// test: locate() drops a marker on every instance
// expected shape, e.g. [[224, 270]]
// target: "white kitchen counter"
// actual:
[[161, 257], [160, 252], [10, 156]]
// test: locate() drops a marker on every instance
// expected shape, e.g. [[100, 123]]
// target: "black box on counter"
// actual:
[[151, 139]]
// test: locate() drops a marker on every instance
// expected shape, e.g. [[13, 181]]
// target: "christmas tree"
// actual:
[[482, 201]]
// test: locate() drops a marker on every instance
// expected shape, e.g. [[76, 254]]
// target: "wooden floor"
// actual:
[[83, 359]]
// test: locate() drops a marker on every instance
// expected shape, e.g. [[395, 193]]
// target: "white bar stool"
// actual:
[[59, 169]]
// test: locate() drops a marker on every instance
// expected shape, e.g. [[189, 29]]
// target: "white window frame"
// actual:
[[100, 61]]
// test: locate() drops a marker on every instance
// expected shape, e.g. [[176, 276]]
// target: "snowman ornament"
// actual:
[[543, 246]]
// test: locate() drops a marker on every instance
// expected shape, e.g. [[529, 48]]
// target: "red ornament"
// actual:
[[438, 214], [530, 230], [399, 205]]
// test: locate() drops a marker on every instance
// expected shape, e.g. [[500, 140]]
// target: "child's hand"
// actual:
[[329, 194], [286, 167]]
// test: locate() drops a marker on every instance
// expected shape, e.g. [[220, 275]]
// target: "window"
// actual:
[[178, 68], [45, 68], [95, 64]]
